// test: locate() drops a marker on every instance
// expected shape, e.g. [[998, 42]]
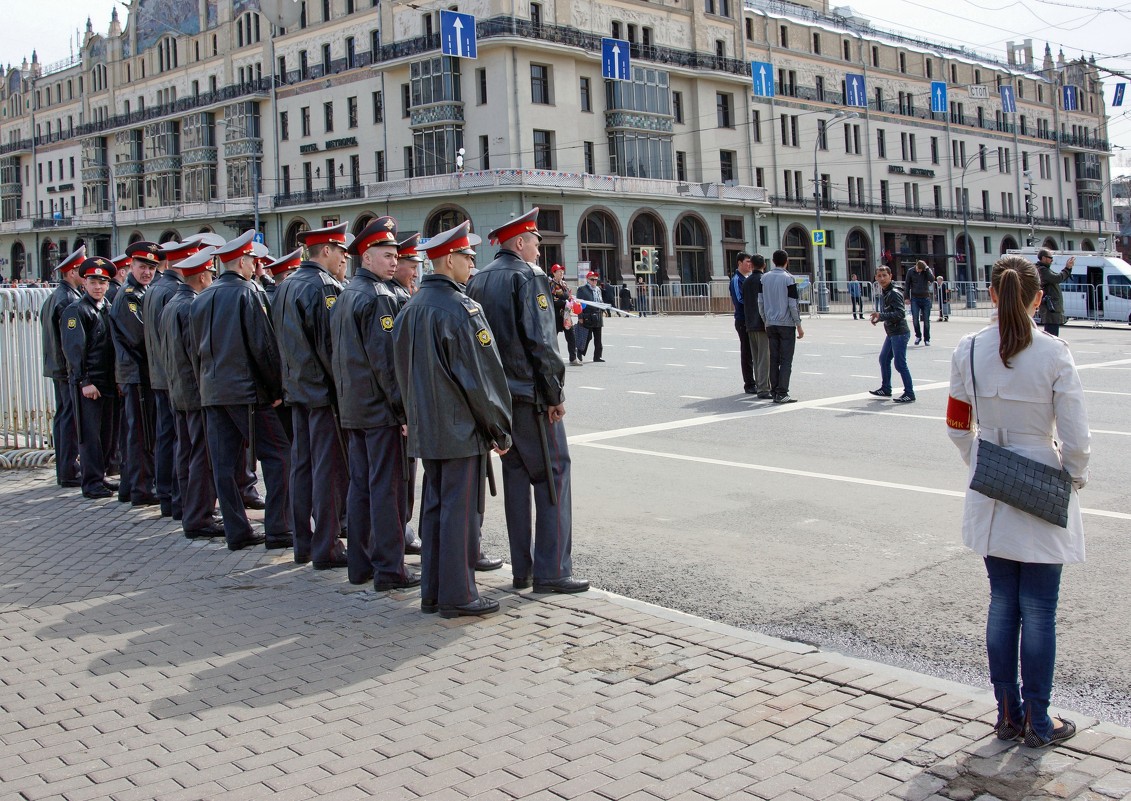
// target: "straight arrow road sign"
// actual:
[[457, 34], [616, 60], [938, 96], [762, 74], [854, 92], [1008, 101]]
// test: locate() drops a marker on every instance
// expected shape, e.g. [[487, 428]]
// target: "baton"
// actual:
[[491, 475], [540, 413], [251, 455], [404, 458]]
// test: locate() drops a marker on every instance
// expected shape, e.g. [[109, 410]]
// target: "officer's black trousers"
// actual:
[[317, 451], [544, 552], [64, 434], [376, 506], [164, 452], [449, 530], [194, 471], [97, 434], [138, 459]]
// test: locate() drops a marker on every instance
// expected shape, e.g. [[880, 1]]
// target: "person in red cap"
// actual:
[[592, 318], [121, 264], [371, 413], [89, 351], [240, 388], [301, 315], [563, 316], [456, 400], [275, 272], [64, 435], [515, 295], [132, 372]]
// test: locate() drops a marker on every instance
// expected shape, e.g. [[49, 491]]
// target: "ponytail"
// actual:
[[1016, 283]]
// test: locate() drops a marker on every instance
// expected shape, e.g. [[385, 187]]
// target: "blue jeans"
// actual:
[[1022, 620], [921, 307], [895, 346]]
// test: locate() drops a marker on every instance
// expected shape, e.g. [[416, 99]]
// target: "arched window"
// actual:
[[48, 258], [170, 235], [444, 219], [796, 244], [856, 249], [647, 231], [600, 241], [1008, 243], [1087, 245], [19, 260], [691, 254], [293, 230], [136, 236], [1050, 243]]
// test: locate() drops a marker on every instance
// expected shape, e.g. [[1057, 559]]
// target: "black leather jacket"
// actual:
[[112, 291], [156, 296], [361, 330], [591, 317], [54, 362], [300, 312], [401, 293], [87, 344], [238, 354], [450, 374], [128, 327], [893, 312], [180, 358], [516, 299]]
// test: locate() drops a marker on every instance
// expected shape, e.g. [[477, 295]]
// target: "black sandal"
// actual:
[[1006, 729], [1059, 734]]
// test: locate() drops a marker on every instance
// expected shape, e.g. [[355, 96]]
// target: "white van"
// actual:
[[1099, 288]]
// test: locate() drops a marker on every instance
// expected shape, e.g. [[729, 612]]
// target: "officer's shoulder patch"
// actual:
[[330, 301], [542, 302], [133, 308], [129, 290], [71, 322], [537, 270], [387, 322], [470, 305], [484, 337]]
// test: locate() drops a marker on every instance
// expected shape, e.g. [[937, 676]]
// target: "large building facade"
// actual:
[[202, 115]]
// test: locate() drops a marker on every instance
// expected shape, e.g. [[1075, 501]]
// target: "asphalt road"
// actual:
[[835, 520]]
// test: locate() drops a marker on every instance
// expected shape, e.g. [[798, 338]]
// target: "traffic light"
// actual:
[[646, 261]]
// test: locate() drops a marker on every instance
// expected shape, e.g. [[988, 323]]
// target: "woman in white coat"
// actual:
[[1029, 400]]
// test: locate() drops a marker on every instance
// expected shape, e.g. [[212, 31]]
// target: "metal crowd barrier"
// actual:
[[27, 399], [965, 299]]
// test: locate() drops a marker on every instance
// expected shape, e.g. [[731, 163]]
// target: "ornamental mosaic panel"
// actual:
[[163, 164], [444, 112], [199, 155], [637, 121], [95, 175], [243, 147]]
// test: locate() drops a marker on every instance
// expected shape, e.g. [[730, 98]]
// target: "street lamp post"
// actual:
[[819, 272]]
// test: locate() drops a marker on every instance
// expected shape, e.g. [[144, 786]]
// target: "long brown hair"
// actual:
[[1016, 283]]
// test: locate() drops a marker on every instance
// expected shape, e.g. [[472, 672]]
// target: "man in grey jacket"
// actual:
[[777, 304]]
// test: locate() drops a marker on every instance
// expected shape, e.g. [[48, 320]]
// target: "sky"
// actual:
[[1088, 27]]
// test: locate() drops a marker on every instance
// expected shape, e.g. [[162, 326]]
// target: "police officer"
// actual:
[[121, 264], [372, 415], [132, 372], [63, 431], [178, 357], [89, 351], [240, 386], [515, 295], [275, 272], [301, 315], [403, 284], [458, 408]]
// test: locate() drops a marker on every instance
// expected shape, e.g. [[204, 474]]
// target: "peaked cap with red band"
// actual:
[[382, 231], [97, 267], [198, 262], [527, 223], [450, 241], [205, 239], [406, 248], [240, 246], [259, 251], [72, 261], [145, 251], [289, 262], [333, 235], [121, 261], [178, 251]]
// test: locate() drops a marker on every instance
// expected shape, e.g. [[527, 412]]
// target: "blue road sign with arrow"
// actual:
[[457, 34], [1070, 98], [1008, 101], [762, 74], [615, 60], [938, 96], [854, 92]]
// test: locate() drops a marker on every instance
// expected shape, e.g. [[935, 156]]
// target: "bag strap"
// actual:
[[974, 381]]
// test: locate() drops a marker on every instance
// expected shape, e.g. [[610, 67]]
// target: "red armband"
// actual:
[[957, 414]]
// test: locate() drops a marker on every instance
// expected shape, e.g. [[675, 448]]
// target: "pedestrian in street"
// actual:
[[641, 296], [457, 402], [131, 371], [563, 318], [64, 433], [756, 327], [592, 318], [942, 295], [1052, 307], [919, 285], [514, 292], [893, 314], [180, 355], [742, 270], [1029, 388], [88, 348], [856, 296], [777, 305], [241, 385], [300, 314], [372, 414]]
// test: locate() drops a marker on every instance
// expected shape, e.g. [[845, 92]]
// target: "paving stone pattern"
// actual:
[[136, 664]]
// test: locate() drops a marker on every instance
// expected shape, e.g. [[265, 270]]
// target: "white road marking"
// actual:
[[675, 365], [713, 367], [1117, 433], [667, 348], [861, 376], [634, 362], [802, 372], [639, 392], [851, 357], [598, 389], [638, 347], [695, 397], [1102, 392], [870, 481]]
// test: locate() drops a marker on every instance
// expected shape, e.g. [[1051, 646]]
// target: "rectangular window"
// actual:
[[284, 126], [726, 165], [379, 165], [305, 112], [756, 125], [586, 95], [331, 175], [881, 144], [326, 59], [723, 109], [351, 52], [406, 100], [822, 135], [351, 112], [481, 86], [875, 56], [409, 170], [543, 150], [760, 177], [378, 107], [819, 85], [307, 177], [816, 44], [934, 150], [484, 153], [783, 35], [590, 161], [677, 106], [286, 179], [328, 115], [540, 84], [680, 165]]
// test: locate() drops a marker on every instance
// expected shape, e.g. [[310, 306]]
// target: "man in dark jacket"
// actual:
[[132, 373], [179, 359], [920, 286], [1052, 306], [458, 407], [361, 330], [742, 270], [89, 351], [592, 318], [240, 387], [515, 296], [756, 327], [301, 315], [894, 316], [403, 284], [64, 434]]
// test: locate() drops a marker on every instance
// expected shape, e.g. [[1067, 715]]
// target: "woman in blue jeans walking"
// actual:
[[1028, 392], [894, 316]]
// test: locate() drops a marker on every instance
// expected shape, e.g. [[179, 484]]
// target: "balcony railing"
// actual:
[[51, 222], [317, 196], [899, 210]]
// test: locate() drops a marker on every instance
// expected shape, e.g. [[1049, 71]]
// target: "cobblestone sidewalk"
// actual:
[[139, 665]]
